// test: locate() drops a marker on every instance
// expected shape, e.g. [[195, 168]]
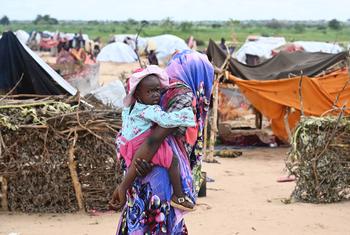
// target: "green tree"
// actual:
[[334, 24], [131, 21], [186, 26], [274, 24], [4, 20], [45, 19], [167, 23]]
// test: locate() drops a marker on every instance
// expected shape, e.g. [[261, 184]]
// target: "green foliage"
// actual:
[[4, 20], [274, 24], [200, 31], [45, 19], [167, 23], [334, 24], [186, 26], [299, 28]]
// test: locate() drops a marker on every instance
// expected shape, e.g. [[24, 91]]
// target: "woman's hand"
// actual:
[[118, 199], [143, 167]]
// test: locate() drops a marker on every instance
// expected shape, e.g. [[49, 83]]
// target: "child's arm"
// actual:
[[183, 117]]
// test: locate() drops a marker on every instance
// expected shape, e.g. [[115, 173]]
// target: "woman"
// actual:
[[148, 209]]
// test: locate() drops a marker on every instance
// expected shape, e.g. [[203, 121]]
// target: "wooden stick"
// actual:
[[286, 124], [4, 201], [300, 94], [14, 88], [73, 173], [214, 127], [205, 136]]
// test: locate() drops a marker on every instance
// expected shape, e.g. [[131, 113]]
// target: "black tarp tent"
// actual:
[[278, 67], [38, 77]]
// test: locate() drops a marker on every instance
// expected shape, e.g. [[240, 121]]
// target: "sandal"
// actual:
[[178, 202]]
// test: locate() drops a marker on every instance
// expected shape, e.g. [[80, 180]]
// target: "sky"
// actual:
[[179, 10]]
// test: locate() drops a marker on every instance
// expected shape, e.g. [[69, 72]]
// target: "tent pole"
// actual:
[[286, 124], [213, 126]]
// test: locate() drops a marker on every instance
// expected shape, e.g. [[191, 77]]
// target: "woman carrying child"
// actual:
[[151, 203]]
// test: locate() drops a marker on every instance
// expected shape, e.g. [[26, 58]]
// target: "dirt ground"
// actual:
[[244, 199]]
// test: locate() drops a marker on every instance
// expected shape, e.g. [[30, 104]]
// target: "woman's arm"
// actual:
[[145, 152]]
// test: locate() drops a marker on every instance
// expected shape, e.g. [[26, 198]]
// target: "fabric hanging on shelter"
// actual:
[[272, 98], [38, 77], [280, 66]]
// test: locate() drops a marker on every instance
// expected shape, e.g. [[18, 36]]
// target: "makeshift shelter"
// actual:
[[280, 99], [141, 42], [167, 44], [50, 143], [260, 47], [16, 59], [283, 65], [117, 52]]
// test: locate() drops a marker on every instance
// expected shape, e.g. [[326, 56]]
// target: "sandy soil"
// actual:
[[244, 199]]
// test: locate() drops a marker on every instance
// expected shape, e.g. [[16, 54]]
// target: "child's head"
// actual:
[[144, 85], [148, 90]]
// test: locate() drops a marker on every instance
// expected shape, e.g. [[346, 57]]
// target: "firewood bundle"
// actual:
[[57, 154], [320, 159]]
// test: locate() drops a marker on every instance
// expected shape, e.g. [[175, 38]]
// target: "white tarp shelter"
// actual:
[[259, 46], [310, 46], [141, 42], [167, 44], [117, 52]]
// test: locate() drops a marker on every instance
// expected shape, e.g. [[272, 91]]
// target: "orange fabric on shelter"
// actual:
[[272, 98]]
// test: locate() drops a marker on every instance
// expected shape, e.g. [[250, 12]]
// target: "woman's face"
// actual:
[[148, 90]]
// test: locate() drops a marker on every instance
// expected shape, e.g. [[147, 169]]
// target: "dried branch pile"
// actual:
[[56, 155], [320, 159]]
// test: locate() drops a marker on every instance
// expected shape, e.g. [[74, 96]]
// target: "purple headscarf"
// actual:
[[195, 70]]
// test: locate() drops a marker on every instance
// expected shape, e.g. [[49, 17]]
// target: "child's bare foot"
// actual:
[[183, 203]]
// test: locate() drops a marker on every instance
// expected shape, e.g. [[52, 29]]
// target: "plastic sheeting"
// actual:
[[167, 44], [280, 66], [38, 77], [141, 42], [261, 47], [310, 46], [112, 93], [272, 98], [117, 52]]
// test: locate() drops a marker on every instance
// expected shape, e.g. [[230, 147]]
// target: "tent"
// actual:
[[141, 42], [319, 95], [260, 47], [117, 52], [167, 44], [38, 77], [283, 65]]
